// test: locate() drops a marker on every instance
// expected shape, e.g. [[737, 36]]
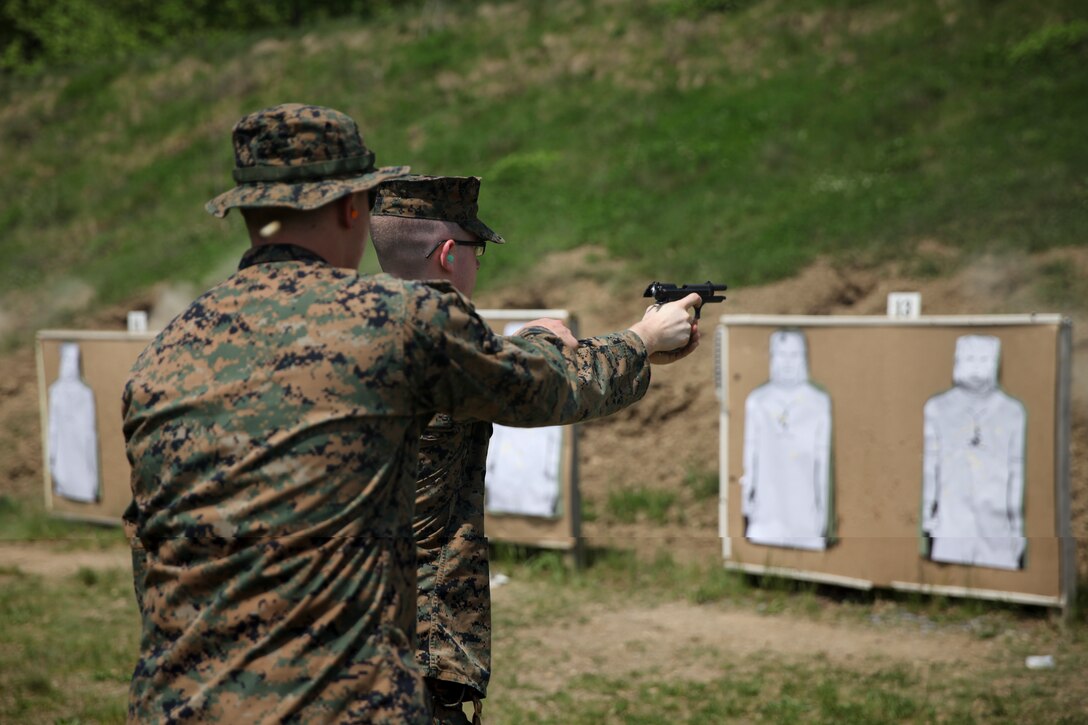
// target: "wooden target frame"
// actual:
[[562, 531], [105, 360], [879, 372]]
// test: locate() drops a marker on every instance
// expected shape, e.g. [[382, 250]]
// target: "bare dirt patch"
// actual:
[[681, 639], [46, 560], [20, 426]]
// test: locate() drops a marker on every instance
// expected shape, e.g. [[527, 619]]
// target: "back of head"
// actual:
[[402, 244], [412, 213]]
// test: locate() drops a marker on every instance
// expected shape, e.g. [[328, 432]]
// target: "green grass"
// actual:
[[67, 646], [768, 686], [27, 520], [689, 138], [1059, 282], [704, 484], [637, 503], [768, 689]]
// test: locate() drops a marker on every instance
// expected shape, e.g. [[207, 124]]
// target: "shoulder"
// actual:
[[437, 296], [383, 297], [817, 393], [1010, 405], [941, 400], [373, 285], [436, 307], [757, 395]]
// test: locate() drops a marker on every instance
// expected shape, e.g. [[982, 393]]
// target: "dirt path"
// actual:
[[685, 641], [50, 561]]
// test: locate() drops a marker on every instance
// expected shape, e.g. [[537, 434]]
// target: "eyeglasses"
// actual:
[[479, 247]]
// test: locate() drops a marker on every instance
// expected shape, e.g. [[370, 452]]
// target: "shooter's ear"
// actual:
[[446, 255], [347, 213]]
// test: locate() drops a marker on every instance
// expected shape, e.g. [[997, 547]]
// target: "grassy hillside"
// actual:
[[693, 138]]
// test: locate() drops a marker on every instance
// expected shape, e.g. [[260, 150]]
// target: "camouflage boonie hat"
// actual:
[[445, 198], [300, 157]]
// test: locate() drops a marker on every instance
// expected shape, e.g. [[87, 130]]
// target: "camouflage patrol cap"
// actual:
[[445, 198], [300, 157]]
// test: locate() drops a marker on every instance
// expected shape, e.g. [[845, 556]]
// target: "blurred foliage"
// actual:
[[1061, 283], [1052, 42], [628, 505], [703, 483], [691, 139], [37, 34]]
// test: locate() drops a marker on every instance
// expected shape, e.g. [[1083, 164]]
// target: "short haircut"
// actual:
[[258, 216], [402, 243]]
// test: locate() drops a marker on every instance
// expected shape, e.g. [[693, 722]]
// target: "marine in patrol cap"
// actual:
[[301, 157], [445, 198]]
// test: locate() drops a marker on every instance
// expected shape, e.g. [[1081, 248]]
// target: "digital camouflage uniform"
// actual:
[[273, 433], [454, 607], [273, 430], [453, 620]]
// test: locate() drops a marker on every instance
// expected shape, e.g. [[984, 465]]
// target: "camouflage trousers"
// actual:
[[447, 701]]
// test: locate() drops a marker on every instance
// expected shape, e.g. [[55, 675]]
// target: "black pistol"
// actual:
[[663, 292]]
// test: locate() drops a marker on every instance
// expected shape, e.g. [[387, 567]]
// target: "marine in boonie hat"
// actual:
[[444, 198], [300, 157]]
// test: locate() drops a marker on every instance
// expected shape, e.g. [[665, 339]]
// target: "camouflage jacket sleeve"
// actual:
[[522, 381], [454, 602], [597, 361]]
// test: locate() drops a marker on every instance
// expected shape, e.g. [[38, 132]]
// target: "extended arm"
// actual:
[[525, 381]]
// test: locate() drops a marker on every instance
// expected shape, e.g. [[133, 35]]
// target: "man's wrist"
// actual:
[[647, 337]]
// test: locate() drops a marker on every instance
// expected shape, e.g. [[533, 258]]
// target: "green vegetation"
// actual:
[[1059, 282], [628, 505], [37, 34], [768, 686], [770, 690], [703, 483], [27, 521], [67, 646], [689, 138], [730, 139]]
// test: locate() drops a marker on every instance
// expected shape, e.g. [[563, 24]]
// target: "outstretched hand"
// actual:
[[668, 331], [670, 356]]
